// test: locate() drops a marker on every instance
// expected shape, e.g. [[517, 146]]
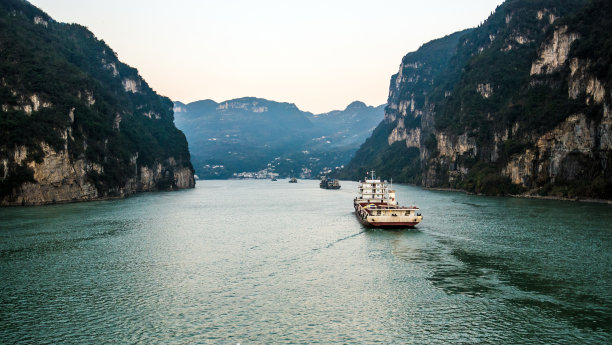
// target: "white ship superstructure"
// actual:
[[376, 206]]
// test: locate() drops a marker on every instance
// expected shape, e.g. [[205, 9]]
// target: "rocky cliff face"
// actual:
[[522, 105], [76, 123]]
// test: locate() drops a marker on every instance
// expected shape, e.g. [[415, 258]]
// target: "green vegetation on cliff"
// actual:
[[62, 87], [519, 104], [499, 55], [397, 161]]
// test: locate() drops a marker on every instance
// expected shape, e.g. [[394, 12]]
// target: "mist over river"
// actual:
[[261, 262]]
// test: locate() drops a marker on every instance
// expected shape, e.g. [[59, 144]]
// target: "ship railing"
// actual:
[[379, 207]]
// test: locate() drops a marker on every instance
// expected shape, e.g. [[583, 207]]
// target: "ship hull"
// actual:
[[329, 183], [383, 215], [385, 225]]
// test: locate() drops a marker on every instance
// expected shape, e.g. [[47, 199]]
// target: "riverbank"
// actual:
[[87, 200], [550, 197], [527, 196]]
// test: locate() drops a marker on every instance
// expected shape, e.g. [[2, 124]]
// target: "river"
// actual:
[[261, 262]]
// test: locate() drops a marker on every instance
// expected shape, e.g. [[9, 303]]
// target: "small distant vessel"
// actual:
[[273, 179], [293, 180], [331, 183], [376, 206]]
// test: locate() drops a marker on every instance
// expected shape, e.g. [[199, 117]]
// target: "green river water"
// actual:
[[261, 262]]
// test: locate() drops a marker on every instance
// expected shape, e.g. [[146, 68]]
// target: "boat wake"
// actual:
[[340, 240]]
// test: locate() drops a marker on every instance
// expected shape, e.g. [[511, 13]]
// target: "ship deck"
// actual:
[[383, 215]]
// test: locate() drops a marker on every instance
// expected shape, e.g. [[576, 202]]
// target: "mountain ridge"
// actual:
[[77, 124], [220, 134], [521, 107]]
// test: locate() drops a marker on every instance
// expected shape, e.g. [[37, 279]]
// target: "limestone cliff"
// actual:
[[76, 123], [522, 105]]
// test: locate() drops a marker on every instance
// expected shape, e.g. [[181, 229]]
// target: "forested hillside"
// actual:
[[252, 134], [521, 106], [75, 122]]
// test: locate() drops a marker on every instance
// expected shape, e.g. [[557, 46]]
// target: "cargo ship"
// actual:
[[375, 206], [331, 183]]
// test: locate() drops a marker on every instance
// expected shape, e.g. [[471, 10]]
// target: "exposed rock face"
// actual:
[[452, 146], [412, 137], [554, 53], [543, 13], [41, 21], [183, 178], [131, 85], [58, 179], [545, 163], [253, 106], [485, 90], [581, 81], [150, 176], [86, 130], [604, 130], [520, 168]]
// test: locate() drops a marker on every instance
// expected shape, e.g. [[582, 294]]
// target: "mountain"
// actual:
[[518, 105], [76, 123], [251, 134], [383, 151], [349, 127]]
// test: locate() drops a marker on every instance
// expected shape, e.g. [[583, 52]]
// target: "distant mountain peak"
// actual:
[[179, 107], [356, 105], [204, 101]]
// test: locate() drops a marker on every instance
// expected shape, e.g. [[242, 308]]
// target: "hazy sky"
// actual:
[[320, 55]]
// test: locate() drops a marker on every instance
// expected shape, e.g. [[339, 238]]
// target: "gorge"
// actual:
[[519, 105]]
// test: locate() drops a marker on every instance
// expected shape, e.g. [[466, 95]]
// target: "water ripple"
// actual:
[[256, 262]]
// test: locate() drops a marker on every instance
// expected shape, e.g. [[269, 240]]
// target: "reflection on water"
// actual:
[[260, 262]]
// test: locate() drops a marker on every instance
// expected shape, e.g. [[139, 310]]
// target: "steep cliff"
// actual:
[[393, 148], [521, 106], [76, 123]]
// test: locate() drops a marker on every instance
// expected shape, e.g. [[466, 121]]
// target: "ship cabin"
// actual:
[[377, 192]]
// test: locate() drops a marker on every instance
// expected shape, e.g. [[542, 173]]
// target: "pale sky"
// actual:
[[319, 54]]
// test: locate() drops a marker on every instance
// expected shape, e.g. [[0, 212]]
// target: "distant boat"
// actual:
[[273, 179], [376, 206], [293, 180], [331, 183]]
